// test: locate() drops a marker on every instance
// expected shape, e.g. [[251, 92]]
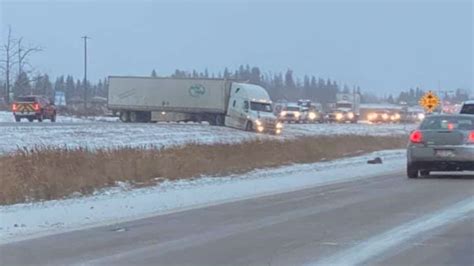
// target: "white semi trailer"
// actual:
[[218, 101]]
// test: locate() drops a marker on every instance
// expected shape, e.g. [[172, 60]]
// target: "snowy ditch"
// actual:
[[121, 203]]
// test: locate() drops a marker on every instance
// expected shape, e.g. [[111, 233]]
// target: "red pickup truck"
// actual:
[[33, 108]]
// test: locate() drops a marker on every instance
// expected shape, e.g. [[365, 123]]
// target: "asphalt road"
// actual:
[[386, 220]]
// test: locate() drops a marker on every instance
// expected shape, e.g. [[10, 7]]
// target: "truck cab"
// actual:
[[250, 108], [346, 109]]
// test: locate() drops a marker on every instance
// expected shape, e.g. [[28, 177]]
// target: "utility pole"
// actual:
[[85, 70]]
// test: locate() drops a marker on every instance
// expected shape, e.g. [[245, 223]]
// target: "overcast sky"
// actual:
[[382, 46]]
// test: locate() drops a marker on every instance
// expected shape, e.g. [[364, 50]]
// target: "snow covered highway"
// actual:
[[108, 133]]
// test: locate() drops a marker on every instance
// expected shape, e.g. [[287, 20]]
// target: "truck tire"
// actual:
[[17, 118], [212, 119], [125, 116], [134, 117], [31, 119], [249, 126], [219, 120], [53, 118], [40, 117]]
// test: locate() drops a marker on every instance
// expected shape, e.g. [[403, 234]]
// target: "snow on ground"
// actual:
[[121, 203], [6, 117], [73, 132]]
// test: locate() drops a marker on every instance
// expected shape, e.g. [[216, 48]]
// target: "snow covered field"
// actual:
[[74, 132], [121, 203]]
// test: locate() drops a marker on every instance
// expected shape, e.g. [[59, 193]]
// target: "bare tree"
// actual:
[[13, 52], [23, 53], [8, 61]]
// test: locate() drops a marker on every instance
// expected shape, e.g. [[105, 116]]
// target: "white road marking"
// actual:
[[379, 244]]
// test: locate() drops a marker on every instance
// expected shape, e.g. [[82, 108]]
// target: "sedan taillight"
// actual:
[[470, 139], [416, 136]]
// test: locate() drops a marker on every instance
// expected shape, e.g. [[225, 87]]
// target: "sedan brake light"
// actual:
[[416, 136]]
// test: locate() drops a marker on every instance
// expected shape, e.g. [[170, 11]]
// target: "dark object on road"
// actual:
[[441, 143], [376, 160]]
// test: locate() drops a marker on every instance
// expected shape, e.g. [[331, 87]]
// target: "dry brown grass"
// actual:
[[49, 173]]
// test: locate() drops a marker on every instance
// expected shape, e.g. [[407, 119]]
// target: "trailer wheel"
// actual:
[[125, 116], [219, 120], [134, 117], [17, 118]]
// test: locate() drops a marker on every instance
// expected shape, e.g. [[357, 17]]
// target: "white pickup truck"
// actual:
[[218, 101]]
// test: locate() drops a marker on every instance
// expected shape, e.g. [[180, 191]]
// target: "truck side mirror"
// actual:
[[246, 106]]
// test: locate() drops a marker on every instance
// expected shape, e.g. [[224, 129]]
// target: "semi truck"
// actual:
[[220, 102], [346, 108]]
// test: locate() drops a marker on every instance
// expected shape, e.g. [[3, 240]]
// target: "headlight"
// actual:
[[278, 131], [258, 123], [260, 129], [385, 116], [297, 114], [339, 116], [421, 116], [312, 115], [283, 113], [350, 115], [279, 125], [395, 117], [372, 116]]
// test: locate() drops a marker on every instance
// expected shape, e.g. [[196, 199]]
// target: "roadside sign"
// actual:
[[429, 101]]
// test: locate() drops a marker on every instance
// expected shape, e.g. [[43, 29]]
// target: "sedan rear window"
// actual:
[[448, 123]]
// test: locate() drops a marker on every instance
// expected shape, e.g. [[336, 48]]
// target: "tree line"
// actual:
[[280, 86]]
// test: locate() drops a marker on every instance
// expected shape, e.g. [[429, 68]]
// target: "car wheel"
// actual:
[[424, 173], [412, 172]]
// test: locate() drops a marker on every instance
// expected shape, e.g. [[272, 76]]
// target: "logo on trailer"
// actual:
[[197, 90]]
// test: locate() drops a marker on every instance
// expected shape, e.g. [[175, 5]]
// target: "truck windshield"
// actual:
[[344, 105], [262, 107]]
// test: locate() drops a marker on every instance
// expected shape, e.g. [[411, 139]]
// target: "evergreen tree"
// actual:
[[289, 81], [22, 85]]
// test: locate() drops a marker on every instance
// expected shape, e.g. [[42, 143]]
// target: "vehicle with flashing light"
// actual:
[[33, 108], [441, 143]]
